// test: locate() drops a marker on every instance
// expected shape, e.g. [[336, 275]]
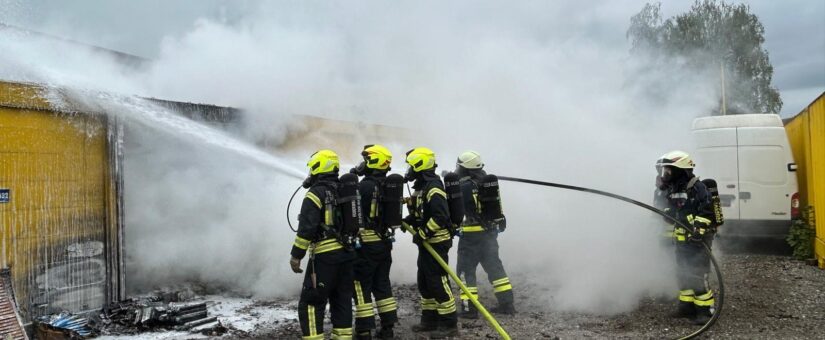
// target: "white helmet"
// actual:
[[676, 158], [470, 160]]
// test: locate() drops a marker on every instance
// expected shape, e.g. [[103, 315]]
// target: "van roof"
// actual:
[[731, 121]]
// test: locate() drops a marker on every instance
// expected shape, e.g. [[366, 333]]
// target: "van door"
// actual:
[[716, 157], [765, 186]]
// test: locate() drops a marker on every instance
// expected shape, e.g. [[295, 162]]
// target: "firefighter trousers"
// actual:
[[333, 285], [693, 266], [481, 247], [372, 279], [438, 306]]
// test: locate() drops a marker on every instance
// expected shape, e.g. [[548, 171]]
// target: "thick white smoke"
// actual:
[[542, 90]]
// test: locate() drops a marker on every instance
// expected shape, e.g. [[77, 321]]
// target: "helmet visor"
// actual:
[[665, 172]]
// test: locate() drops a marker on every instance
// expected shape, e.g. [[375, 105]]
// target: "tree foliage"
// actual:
[[712, 35]]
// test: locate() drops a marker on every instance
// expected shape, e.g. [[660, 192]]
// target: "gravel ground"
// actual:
[[767, 297]]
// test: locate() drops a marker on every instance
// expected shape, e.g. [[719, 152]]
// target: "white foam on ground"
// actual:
[[170, 335], [245, 315], [241, 314]]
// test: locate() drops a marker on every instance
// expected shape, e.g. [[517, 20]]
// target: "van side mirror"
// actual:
[[791, 167]]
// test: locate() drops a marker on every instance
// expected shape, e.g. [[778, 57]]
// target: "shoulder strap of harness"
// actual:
[[692, 182]]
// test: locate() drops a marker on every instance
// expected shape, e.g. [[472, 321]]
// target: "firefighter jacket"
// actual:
[[317, 229], [689, 202], [429, 213]]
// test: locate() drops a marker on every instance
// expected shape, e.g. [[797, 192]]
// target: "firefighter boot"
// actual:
[[504, 308], [445, 332], [685, 310], [363, 336], [469, 312], [424, 327], [703, 315], [385, 332], [428, 322]]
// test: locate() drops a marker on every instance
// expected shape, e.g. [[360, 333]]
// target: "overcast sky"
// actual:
[[795, 29]]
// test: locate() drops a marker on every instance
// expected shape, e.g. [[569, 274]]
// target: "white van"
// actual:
[[750, 158]]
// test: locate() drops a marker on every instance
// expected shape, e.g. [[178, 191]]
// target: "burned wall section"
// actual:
[[61, 217]]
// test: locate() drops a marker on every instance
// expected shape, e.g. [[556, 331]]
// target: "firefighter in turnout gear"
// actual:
[[479, 236], [688, 200], [372, 266], [329, 275], [430, 219]]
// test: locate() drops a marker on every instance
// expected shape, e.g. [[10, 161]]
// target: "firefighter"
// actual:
[[430, 219], [329, 269], [372, 265], [688, 200], [479, 239]]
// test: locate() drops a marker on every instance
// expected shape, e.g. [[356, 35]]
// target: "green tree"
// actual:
[[712, 35]]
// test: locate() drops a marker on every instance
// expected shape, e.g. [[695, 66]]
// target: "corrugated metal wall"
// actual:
[[10, 326], [62, 226], [806, 133]]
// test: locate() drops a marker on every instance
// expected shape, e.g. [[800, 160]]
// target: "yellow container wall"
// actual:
[[54, 225], [816, 177], [800, 139], [806, 133]]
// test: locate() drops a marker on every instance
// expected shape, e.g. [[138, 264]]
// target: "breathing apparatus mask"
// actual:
[[668, 175], [460, 171], [410, 175], [360, 169], [309, 181]]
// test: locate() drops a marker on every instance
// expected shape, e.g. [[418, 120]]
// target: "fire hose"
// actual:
[[288, 220], [720, 296]]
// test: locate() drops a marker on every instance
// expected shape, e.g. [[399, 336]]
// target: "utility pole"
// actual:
[[724, 104]]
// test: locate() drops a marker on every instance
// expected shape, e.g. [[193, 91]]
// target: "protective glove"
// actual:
[[411, 221], [698, 235], [408, 201], [501, 224], [417, 239], [295, 264]]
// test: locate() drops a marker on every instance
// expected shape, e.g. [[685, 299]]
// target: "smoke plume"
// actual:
[[542, 90]]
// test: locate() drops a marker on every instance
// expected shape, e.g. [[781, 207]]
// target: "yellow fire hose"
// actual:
[[490, 319]]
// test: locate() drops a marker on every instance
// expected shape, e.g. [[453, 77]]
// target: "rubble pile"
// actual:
[[141, 315]]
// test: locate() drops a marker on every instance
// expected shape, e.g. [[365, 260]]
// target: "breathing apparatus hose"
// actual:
[[720, 296], [473, 299], [288, 221]]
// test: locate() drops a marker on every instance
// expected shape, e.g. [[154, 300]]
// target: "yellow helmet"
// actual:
[[377, 156], [323, 161], [421, 159]]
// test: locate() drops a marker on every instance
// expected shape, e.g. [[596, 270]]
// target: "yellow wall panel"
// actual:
[[56, 168], [806, 133], [816, 176], [798, 138]]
